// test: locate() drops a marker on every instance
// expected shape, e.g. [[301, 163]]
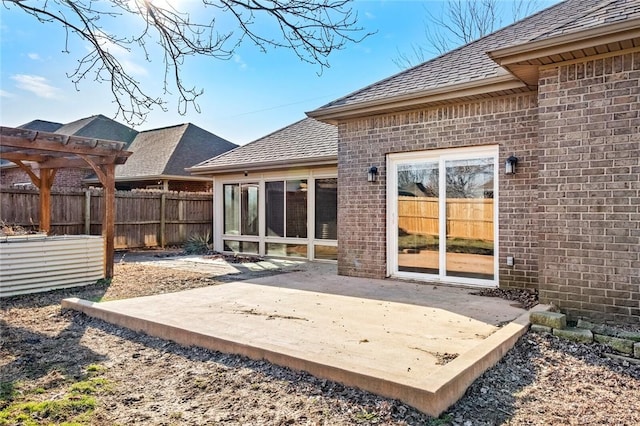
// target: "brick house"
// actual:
[[560, 93]]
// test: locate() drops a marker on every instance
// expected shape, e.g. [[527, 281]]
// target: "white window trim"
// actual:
[[439, 156], [262, 239]]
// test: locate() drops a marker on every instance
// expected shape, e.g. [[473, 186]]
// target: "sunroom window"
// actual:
[[286, 208]]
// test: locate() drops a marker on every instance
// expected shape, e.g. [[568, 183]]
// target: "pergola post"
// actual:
[[108, 219], [45, 183]]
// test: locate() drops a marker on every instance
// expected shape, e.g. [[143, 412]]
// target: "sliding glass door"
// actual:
[[442, 214]]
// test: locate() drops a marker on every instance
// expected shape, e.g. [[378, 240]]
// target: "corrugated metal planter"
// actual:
[[35, 263]]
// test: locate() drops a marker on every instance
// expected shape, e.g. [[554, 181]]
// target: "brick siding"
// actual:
[[589, 188], [510, 122], [64, 179]]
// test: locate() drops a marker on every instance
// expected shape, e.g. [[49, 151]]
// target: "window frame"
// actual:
[[310, 176], [440, 156]]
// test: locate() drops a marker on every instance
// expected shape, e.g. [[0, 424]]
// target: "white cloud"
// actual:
[[369, 15], [123, 55], [238, 60], [37, 85], [5, 94], [34, 56]]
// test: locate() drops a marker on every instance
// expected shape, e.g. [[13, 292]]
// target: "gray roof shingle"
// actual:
[[41, 126], [607, 12], [168, 151], [99, 127], [307, 139], [471, 62]]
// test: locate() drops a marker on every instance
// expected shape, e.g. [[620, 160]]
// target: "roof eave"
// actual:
[[417, 99], [265, 165], [523, 53], [150, 177]]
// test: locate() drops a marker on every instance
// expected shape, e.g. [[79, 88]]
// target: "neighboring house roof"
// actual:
[[460, 72], [99, 127], [166, 152], [41, 126], [305, 142]]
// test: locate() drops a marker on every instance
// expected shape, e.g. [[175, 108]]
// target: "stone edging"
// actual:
[[626, 343]]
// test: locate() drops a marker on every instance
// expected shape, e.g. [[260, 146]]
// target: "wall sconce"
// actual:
[[510, 165], [372, 174]]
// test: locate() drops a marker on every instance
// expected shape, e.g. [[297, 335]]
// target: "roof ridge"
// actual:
[[164, 128]]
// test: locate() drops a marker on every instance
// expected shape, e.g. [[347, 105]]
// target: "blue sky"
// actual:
[[244, 98]]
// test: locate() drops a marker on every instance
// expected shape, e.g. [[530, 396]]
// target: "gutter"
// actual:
[[331, 160], [505, 81], [153, 177], [605, 34]]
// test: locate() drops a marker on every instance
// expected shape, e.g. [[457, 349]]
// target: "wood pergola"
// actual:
[[42, 154]]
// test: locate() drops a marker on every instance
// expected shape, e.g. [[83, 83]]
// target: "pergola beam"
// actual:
[[58, 143], [57, 162]]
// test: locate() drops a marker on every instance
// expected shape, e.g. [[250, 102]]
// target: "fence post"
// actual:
[[87, 211], [163, 220], [181, 218]]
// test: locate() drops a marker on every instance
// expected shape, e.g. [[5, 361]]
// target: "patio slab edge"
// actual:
[[442, 389]]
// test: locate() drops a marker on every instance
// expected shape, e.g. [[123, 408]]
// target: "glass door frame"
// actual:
[[439, 156]]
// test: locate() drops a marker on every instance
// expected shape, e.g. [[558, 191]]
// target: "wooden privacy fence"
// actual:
[[469, 218], [143, 218]]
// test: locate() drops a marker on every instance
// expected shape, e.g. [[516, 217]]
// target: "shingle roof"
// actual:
[[305, 140], [99, 127], [41, 126], [471, 62], [168, 151], [607, 12]]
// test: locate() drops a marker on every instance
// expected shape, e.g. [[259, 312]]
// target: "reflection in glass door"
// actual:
[[469, 208], [444, 210], [418, 218]]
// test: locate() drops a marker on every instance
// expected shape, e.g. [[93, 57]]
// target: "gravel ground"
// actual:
[[147, 380]]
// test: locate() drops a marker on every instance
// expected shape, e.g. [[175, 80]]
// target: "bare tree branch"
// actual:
[[461, 22], [312, 29]]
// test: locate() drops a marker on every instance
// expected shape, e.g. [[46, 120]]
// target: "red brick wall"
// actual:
[[590, 188], [510, 122], [64, 179]]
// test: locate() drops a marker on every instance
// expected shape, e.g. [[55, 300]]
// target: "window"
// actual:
[[326, 209], [293, 216], [241, 209], [286, 208], [442, 215]]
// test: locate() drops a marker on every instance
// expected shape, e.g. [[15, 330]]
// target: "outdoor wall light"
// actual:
[[372, 174], [510, 165]]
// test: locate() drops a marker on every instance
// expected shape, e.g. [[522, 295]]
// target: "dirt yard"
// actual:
[[60, 366]]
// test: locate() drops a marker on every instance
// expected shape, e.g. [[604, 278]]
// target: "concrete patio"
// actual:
[[419, 343]]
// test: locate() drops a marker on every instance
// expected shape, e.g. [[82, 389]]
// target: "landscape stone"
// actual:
[[636, 350], [620, 345], [587, 325], [549, 319], [609, 331], [630, 335], [579, 335], [537, 328]]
